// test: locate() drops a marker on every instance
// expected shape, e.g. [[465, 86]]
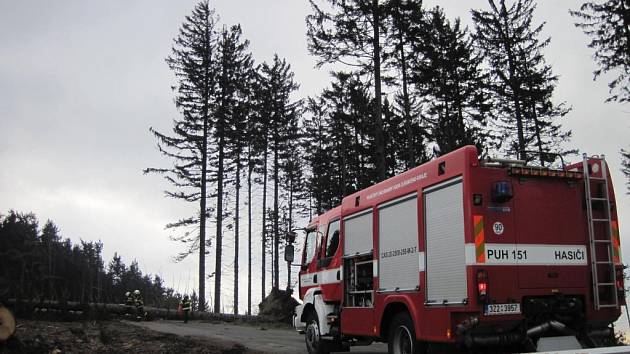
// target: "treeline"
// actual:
[[416, 85], [39, 264]]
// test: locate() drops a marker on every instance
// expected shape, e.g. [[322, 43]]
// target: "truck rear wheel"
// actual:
[[314, 342], [402, 336]]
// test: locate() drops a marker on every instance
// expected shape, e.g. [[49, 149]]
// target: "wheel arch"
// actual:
[[308, 308], [309, 302], [314, 303], [394, 306]]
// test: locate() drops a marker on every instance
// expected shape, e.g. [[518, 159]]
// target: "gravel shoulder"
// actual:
[[259, 338]]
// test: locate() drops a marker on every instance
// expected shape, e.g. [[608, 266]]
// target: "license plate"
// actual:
[[503, 309]]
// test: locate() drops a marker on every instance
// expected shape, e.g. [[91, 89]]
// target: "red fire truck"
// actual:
[[477, 253]]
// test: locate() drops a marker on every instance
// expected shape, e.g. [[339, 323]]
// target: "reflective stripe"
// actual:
[[480, 242], [529, 254], [470, 252], [495, 254], [328, 276]]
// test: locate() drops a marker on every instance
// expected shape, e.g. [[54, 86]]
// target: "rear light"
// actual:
[[619, 280], [501, 191], [482, 286]]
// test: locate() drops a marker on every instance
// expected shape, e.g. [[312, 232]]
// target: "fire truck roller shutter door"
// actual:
[[398, 244], [358, 234], [445, 243]]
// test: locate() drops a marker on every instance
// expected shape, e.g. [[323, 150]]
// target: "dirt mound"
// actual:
[[105, 337], [278, 306]]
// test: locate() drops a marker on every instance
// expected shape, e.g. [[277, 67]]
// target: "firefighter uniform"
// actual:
[[186, 306], [139, 304], [129, 302]]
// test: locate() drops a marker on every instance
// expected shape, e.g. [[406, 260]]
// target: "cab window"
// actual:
[[320, 240], [309, 246], [332, 243]]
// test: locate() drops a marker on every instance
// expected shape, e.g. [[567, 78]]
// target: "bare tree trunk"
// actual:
[[411, 159], [202, 203], [249, 232], [516, 96], [276, 239], [219, 235], [264, 226], [378, 119], [236, 230], [290, 227]]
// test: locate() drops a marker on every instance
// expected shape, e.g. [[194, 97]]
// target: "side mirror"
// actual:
[[291, 236], [289, 253]]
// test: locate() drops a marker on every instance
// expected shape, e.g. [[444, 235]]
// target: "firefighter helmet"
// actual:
[[127, 293], [136, 292]]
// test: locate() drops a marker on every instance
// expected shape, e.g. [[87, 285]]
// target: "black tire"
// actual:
[[314, 343], [401, 338]]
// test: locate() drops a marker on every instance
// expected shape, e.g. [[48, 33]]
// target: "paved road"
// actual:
[[281, 341]]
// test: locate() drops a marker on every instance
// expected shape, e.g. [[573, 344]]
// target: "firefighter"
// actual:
[[186, 306], [129, 302], [139, 304]]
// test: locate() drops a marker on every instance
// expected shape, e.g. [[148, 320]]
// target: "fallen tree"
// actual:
[[47, 308]]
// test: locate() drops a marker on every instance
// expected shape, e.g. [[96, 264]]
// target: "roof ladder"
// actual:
[[600, 232]]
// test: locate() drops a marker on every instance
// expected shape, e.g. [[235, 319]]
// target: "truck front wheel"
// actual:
[[402, 336], [314, 342]]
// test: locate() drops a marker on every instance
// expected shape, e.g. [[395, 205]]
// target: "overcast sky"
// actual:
[[81, 82]]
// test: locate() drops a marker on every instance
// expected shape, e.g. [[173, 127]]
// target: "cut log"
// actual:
[[7, 324]]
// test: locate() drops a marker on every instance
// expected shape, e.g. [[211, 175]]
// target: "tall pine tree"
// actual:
[[350, 33], [318, 163], [405, 25], [237, 74], [278, 85], [608, 24], [339, 144], [520, 79], [193, 62], [451, 82], [230, 113]]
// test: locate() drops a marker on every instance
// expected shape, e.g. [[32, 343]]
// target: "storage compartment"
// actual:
[[359, 277], [398, 259], [445, 244], [358, 233]]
